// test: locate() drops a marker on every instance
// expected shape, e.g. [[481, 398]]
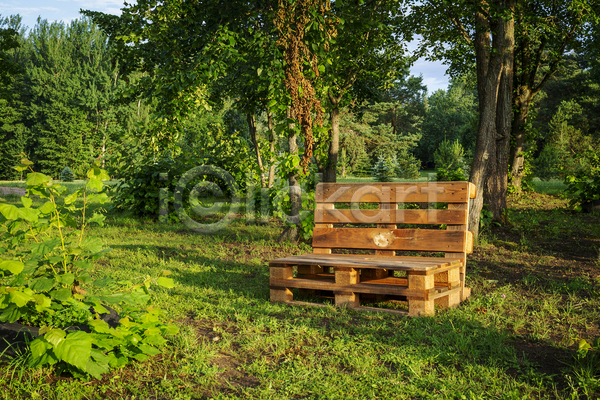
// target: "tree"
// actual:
[[13, 93], [483, 32], [71, 75], [368, 56], [450, 115], [545, 30]]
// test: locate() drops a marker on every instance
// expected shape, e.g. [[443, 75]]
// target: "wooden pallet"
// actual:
[[352, 278], [428, 282]]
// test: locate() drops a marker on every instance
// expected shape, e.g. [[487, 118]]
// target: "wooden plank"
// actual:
[[301, 283], [396, 263], [394, 192], [371, 288], [390, 239], [472, 191], [361, 216]]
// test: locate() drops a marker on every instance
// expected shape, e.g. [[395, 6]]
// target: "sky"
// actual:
[[67, 10]]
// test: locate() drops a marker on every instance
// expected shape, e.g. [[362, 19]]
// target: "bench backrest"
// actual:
[[383, 233]]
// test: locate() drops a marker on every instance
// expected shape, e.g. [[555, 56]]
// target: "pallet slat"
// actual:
[[361, 216], [391, 239], [395, 192], [396, 263]]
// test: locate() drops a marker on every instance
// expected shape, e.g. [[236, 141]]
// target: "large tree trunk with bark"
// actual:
[[497, 184], [491, 67], [334, 145]]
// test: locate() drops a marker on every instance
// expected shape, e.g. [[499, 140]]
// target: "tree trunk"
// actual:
[[271, 149], [490, 67], [497, 184], [292, 232], [517, 158], [251, 119], [334, 145]]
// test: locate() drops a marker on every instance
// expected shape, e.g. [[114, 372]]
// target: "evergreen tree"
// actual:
[[13, 91], [71, 76]]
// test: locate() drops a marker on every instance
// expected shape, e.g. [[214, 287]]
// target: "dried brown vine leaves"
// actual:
[[292, 19]]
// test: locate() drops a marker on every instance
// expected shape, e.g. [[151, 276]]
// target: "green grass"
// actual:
[[536, 287], [553, 186], [424, 177]]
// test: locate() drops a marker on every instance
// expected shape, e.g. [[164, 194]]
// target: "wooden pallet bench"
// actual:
[[344, 224]]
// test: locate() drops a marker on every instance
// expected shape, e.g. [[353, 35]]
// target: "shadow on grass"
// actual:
[[452, 341]]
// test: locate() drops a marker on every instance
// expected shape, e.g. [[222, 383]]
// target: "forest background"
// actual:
[[152, 91]]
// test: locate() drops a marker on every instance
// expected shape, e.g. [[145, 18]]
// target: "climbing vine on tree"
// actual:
[[296, 21]]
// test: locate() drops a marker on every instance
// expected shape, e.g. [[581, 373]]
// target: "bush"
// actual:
[[46, 277], [66, 175], [584, 186], [450, 163], [140, 178]]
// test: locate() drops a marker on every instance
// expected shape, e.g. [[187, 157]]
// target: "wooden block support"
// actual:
[[345, 277], [282, 294], [420, 306]]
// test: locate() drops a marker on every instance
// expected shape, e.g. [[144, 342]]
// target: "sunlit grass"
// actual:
[[535, 289]]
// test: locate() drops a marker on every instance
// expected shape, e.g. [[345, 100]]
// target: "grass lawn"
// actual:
[[536, 291]]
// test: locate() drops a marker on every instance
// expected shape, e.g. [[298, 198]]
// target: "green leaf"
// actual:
[[93, 245], [9, 211], [75, 349], [99, 326], [55, 336], [97, 218], [98, 198], [47, 208], [12, 266], [72, 197], [41, 249], [20, 298], [26, 201], [66, 279], [98, 173], [98, 364], [37, 178], [146, 348], [11, 313], [43, 284], [94, 184], [84, 277], [41, 302], [29, 214], [41, 353], [259, 71], [61, 294], [165, 282]]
